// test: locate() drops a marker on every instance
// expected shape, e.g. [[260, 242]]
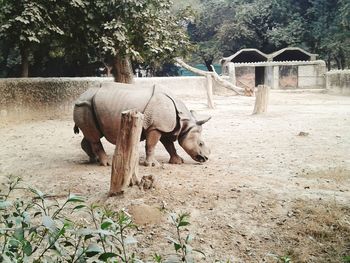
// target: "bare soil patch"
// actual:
[[265, 193]]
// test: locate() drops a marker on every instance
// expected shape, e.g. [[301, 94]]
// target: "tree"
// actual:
[[91, 32], [143, 30], [24, 24], [321, 26], [331, 31]]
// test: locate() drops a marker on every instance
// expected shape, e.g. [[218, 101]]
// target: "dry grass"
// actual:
[[316, 232]]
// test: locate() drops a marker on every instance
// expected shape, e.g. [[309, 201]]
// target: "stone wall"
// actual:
[[338, 82]]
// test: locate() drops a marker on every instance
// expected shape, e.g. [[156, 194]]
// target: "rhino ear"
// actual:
[[198, 120], [201, 122], [194, 114]]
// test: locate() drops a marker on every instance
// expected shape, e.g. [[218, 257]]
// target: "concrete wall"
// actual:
[[182, 87], [338, 82], [40, 98]]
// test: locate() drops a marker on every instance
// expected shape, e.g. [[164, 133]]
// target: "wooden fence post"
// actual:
[[126, 155], [262, 99]]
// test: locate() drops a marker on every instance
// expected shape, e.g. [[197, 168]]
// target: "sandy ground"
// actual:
[[240, 201]]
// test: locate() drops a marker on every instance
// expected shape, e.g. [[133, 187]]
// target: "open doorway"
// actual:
[[259, 76]]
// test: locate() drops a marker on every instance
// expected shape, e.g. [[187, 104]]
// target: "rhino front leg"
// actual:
[[170, 147], [152, 139], [97, 148]]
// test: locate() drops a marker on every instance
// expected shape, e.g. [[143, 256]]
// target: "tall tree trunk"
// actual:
[[338, 62], [329, 62], [122, 69], [341, 58], [24, 62]]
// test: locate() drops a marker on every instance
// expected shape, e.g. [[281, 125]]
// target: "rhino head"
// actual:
[[191, 141]]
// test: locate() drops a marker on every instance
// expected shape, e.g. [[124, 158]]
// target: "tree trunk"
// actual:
[[342, 58], [329, 63], [122, 70], [126, 155], [262, 99], [338, 62], [24, 62], [208, 63]]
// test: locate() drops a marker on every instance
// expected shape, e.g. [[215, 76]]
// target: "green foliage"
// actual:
[[181, 244], [346, 259], [42, 229], [320, 26], [76, 34]]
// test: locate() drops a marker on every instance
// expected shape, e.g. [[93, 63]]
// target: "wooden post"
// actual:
[[262, 99], [211, 104], [126, 154]]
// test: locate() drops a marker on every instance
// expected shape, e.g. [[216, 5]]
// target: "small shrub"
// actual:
[[41, 229]]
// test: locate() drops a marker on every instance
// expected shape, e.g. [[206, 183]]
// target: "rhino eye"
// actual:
[[201, 144]]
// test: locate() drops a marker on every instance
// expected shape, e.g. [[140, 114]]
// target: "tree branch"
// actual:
[[214, 75]]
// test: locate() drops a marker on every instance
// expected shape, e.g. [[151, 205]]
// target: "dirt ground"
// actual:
[[267, 191]]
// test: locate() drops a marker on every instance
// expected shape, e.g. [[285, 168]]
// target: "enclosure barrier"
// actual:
[[32, 98], [338, 82]]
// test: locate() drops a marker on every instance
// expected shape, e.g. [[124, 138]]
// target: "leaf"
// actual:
[[37, 213], [49, 223], [189, 238], [19, 234], [177, 246], [79, 207], [67, 244], [75, 199], [200, 252], [5, 204], [183, 223], [129, 240], [88, 236], [38, 193], [92, 250], [27, 248], [176, 243], [106, 224], [105, 256]]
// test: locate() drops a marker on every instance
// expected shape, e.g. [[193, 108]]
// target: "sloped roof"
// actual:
[[292, 54], [247, 55], [252, 55]]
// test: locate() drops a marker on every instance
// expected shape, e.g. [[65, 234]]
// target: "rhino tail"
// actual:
[[76, 129]]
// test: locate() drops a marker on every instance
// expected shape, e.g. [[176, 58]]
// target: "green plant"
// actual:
[[40, 230], [182, 244], [346, 259], [285, 259]]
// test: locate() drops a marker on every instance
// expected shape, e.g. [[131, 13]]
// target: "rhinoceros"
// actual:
[[97, 113]]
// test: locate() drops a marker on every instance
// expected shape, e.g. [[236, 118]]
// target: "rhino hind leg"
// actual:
[[99, 151], [86, 146], [170, 147], [91, 144]]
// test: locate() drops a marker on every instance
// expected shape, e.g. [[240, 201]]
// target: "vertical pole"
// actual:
[[211, 104], [126, 154], [232, 73]]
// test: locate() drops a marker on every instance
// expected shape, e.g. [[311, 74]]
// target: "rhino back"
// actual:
[[111, 100]]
